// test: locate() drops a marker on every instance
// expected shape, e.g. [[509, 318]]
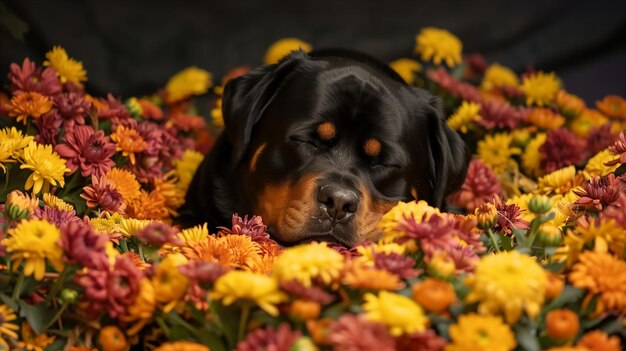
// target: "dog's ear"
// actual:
[[246, 98], [449, 155]]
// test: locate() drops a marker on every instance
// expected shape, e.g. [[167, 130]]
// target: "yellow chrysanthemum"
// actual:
[[601, 274], [46, 165], [54, 202], [190, 81], [399, 313], [241, 285], [308, 261], [5, 156], [126, 183], [406, 68], [109, 224], [497, 151], [531, 158], [14, 141], [480, 333], [128, 141], [194, 234], [587, 120], [439, 45], [540, 88], [186, 167], [168, 282], [545, 118], [29, 104], [216, 114], [389, 223], [7, 316], [141, 311], [497, 76], [367, 252], [507, 282], [596, 165], [605, 234], [34, 242], [558, 182], [464, 116], [283, 47], [68, 69], [129, 227], [182, 346]]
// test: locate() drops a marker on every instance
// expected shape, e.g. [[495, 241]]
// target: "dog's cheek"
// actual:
[[369, 216], [286, 207]]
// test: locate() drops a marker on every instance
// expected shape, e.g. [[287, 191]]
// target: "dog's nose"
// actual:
[[339, 203]]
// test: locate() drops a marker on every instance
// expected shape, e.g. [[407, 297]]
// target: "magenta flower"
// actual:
[[270, 339], [598, 193], [115, 111], [29, 78], [480, 185], [432, 234], [509, 217], [561, 149], [87, 149], [453, 86], [427, 340], [103, 193], [355, 333], [618, 149], [498, 114], [253, 227], [71, 109], [397, 264], [56, 216], [312, 293], [83, 246]]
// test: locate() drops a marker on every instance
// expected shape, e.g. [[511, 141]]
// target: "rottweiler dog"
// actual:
[[321, 145]]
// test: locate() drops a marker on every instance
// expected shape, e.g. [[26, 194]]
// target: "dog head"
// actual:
[[327, 143]]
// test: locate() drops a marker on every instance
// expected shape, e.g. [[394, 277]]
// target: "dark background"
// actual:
[[133, 47]]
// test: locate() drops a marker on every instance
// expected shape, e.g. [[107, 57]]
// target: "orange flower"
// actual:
[[29, 104], [172, 195], [147, 206], [434, 295], [361, 277], [601, 274], [186, 122], [128, 141], [150, 110], [545, 118], [613, 106], [562, 324], [569, 104], [244, 252], [181, 346], [597, 340], [305, 309], [126, 183], [208, 250], [555, 285], [111, 338]]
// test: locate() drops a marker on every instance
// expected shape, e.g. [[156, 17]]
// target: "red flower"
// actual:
[[159, 234], [48, 126], [498, 114], [302, 292], [509, 217], [28, 78], [104, 194], [202, 271], [561, 149], [270, 339], [599, 138], [599, 192], [72, 109], [423, 341], [617, 210], [56, 216], [480, 185], [432, 234], [453, 86], [115, 111], [397, 264], [111, 290], [355, 333], [253, 227], [618, 148], [87, 149], [83, 246]]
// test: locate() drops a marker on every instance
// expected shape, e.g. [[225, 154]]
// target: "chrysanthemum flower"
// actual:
[[166, 188], [170, 284], [500, 114], [596, 166], [434, 44], [432, 234], [480, 333], [186, 122], [613, 106], [34, 242], [141, 311], [186, 167], [497, 151], [433, 295], [562, 324], [114, 110], [257, 288], [159, 234], [618, 149], [480, 185], [20, 205], [598, 192], [427, 340], [5, 156], [507, 282], [545, 118], [55, 202], [355, 333], [307, 262], [7, 316], [497, 76], [604, 275], [281, 338], [253, 227], [182, 346], [194, 234], [83, 246], [128, 141], [569, 105], [88, 150], [149, 205], [71, 109], [126, 183], [406, 68], [13, 141], [561, 149], [399, 313], [397, 264], [212, 250], [190, 81], [46, 166], [28, 78], [558, 182], [600, 138], [510, 216], [390, 220], [464, 116], [540, 88], [244, 253], [453, 86], [359, 276], [68, 69], [29, 104], [103, 193], [30, 340], [597, 340], [531, 157], [56, 216], [312, 293], [149, 110]]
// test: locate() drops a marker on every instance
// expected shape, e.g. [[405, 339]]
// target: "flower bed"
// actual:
[[533, 260]]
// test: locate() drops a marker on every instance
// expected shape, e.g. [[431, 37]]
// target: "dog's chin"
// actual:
[[334, 237]]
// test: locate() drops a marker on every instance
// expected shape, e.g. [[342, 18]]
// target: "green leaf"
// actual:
[[526, 337], [620, 170], [334, 311], [38, 316], [228, 318], [57, 345], [7, 300], [569, 295], [178, 332]]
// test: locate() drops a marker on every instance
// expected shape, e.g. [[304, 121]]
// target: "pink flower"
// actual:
[[619, 149], [432, 234], [56, 216], [561, 149], [509, 217], [159, 234], [598, 193], [480, 185], [397, 264], [89, 150], [104, 194], [600, 138], [29, 78], [83, 246], [270, 339], [312, 293], [453, 86], [498, 114], [72, 109], [253, 227], [355, 333]]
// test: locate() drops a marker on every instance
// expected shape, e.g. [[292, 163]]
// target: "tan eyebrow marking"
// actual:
[[256, 156], [372, 147], [326, 130], [414, 193]]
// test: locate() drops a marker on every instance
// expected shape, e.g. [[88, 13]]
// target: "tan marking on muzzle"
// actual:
[[369, 215]]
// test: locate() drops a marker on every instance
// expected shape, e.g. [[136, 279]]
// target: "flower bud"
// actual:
[[69, 295], [305, 309], [134, 108], [433, 295], [550, 235], [303, 344], [19, 205], [555, 285], [562, 325], [539, 204], [441, 265], [486, 215]]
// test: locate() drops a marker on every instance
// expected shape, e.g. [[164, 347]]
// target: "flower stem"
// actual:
[[57, 285], [243, 321], [493, 240], [18, 286], [56, 316], [534, 229]]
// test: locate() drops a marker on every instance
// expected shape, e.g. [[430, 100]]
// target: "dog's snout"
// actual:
[[339, 203]]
